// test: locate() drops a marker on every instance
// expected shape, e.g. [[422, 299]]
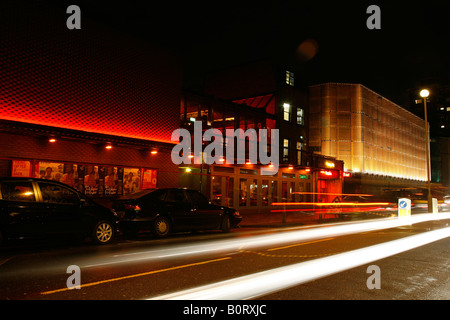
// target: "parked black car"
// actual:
[[32, 208], [162, 211]]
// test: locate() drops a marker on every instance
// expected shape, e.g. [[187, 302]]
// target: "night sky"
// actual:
[[411, 47]]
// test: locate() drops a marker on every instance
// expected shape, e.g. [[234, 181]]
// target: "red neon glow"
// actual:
[[332, 210], [328, 174], [52, 140], [75, 85], [346, 174], [336, 194]]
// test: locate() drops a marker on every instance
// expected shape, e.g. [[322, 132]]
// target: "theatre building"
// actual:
[[93, 108], [259, 95]]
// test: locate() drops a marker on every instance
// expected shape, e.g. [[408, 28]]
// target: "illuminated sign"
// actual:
[[328, 174], [329, 164], [346, 174]]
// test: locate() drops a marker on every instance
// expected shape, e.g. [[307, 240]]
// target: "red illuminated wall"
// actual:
[[96, 79]]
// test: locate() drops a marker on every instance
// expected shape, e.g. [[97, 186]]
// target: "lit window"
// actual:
[[448, 108], [300, 120], [299, 152], [290, 78], [285, 149], [286, 111]]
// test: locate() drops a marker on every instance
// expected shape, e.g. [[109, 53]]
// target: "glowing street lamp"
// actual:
[[424, 94]]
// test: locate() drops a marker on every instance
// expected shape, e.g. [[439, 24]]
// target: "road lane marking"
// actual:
[[137, 275], [265, 282], [299, 244], [263, 254]]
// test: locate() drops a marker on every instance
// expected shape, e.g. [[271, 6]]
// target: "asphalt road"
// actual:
[[146, 268]]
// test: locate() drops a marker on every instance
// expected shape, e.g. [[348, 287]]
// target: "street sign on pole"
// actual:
[[435, 205], [404, 207]]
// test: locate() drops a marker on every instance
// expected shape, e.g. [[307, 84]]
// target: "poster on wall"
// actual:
[[131, 180], [149, 179], [111, 181], [91, 180], [70, 175], [50, 170], [21, 169]]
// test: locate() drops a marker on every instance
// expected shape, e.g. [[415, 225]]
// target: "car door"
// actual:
[[65, 210], [179, 209], [203, 213], [21, 215]]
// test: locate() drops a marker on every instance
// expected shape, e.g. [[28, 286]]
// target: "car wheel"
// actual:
[[161, 227], [226, 224], [103, 232]]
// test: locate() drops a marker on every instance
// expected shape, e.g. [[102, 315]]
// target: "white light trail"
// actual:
[[262, 283], [243, 243]]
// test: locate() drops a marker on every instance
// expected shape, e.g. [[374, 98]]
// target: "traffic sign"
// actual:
[[404, 207]]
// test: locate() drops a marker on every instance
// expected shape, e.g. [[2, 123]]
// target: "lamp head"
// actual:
[[424, 93]]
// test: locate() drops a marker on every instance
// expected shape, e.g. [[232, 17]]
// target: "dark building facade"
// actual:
[[94, 108], [264, 95]]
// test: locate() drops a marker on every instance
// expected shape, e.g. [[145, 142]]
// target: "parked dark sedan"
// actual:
[[162, 211], [32, 208]]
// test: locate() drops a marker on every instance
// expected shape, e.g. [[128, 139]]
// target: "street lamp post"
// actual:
[[424, 94]]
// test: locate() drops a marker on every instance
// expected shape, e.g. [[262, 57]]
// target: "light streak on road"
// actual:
[[329, 204], [284, 236], [262, 283], [334, 194]]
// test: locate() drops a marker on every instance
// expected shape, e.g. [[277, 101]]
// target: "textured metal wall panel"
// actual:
[[96, 79]]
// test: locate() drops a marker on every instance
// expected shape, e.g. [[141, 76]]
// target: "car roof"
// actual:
[[58, 182], [27, 179]]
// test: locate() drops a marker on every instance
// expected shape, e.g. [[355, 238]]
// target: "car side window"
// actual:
[[158, 195], [197, 198], [17, 191], [55, 193], [176, 196]]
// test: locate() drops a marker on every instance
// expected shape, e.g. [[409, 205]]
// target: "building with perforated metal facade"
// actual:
[[381, 143], [93, 107]]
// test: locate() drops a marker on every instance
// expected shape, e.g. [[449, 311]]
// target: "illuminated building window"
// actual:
[[300, 116], [285, 149], [286, 111], [289, 78], [299, 152]]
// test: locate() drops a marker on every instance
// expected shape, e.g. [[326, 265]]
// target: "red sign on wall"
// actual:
[[21, 169], [328, 174], [149, 179]]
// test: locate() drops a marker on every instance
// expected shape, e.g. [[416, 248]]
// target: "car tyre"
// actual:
[[161, 227], [103, 232], [226, 224]]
